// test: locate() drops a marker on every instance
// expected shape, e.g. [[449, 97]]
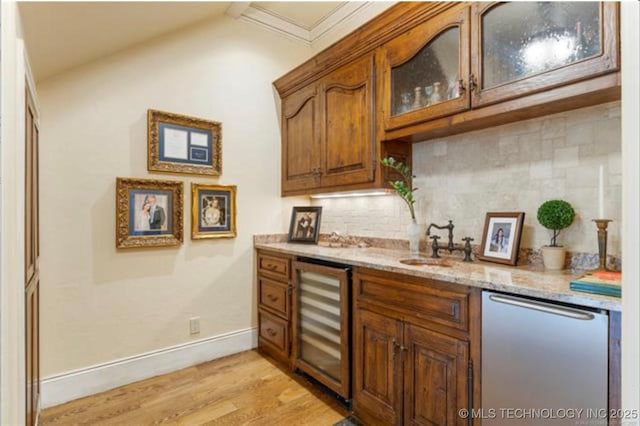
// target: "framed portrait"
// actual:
[[148, 213], [501, 237], [305, 225], [182, 144], [213, 211]]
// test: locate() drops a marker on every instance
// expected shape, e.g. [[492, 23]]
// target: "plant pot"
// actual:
[[553, 257], [414, 233]]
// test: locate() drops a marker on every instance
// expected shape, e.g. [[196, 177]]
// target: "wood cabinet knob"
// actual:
[[271, 332], [272, 297]]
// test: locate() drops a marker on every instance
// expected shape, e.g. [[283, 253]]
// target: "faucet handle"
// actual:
[[435, 237], [467, 239]]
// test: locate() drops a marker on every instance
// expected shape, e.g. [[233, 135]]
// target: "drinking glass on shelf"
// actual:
[[428, 91], [437, 94], [452, 91], [405, 102]]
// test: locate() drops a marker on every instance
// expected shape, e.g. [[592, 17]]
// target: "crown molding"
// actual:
[[273, 22]]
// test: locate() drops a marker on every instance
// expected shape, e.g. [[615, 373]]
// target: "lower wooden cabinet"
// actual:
[[408, 369]]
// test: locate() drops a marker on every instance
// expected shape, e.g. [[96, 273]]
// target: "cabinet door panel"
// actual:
[[426, 70], [521, 48], [435, 382], [347, 124], [300, 141], [377, 368]]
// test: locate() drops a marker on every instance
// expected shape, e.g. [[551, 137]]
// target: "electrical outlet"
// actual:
[[194, 325]]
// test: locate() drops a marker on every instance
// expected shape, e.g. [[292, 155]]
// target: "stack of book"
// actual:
[[605, 283]]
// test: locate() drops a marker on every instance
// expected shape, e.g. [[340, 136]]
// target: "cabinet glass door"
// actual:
[[522, 47], [428, 67], [321, 324]]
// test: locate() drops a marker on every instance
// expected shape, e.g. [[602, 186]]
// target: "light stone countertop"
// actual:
[[522, 280]]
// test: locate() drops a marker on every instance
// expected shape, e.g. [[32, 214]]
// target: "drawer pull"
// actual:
[[271, 266], [271, 332], [272, 297]]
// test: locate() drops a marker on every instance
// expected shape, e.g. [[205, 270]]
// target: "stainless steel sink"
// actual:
[[425, 261]]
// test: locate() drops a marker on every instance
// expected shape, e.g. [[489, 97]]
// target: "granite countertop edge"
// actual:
[[516, 280]]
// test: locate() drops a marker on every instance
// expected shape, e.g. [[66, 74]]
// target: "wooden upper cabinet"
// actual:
[[301, 150], [522, 48], [425, 70], [348, 139]]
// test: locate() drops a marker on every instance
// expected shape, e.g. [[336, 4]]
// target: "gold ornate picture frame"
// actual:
[[149, 213], [182, 144], [213, 211]]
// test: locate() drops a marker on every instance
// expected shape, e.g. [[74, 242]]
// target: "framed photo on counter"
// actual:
[[213, 211], [182, 144], [305, 225], [501, 237], [148, 213]]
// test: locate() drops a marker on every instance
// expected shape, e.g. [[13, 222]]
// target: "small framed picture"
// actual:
[[501, 237], [305, 225], [213, 211], [148, 213], [182, 144]]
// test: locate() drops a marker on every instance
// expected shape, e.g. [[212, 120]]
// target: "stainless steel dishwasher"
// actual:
[[543, 358]]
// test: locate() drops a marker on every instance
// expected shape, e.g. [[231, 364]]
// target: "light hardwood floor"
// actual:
[[242, 389]]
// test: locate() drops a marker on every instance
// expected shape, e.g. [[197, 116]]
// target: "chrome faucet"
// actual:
[[450, 245]]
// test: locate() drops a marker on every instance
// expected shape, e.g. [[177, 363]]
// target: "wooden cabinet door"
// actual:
[[435, 378], [377, 391], [301, 141], [426, 70], [520, 48], [348, 136]]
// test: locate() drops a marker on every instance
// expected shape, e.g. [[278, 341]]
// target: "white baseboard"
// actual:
[[101, 377]]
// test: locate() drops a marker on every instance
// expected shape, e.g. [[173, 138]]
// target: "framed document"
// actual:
[[182, 144]]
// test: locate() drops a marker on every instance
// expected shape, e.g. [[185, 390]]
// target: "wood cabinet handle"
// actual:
[[272, 297], [472, 83], [271, 332], [271, 266]]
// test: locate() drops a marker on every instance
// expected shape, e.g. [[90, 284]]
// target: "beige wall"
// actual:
[[99, 304], [12, 73], [514, 167]]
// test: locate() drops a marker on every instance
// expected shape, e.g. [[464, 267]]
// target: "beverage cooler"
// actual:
[[321, 323]]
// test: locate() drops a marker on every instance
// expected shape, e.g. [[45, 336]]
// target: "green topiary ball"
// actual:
[[556, 214]]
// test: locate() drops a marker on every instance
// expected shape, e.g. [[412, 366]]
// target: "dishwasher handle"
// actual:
[[542, 307]]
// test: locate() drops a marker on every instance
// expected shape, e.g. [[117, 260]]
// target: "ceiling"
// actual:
[[64, 35], [304, 14]]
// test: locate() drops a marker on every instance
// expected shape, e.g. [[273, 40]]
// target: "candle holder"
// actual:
[[602, 225]]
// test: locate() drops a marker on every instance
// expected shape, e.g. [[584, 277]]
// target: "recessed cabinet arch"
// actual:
[[426, 70], [521, 48]]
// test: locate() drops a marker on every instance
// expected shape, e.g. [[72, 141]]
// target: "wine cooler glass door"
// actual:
[[321, 330]]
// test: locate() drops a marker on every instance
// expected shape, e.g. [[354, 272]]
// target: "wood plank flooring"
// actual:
[[242, 389]]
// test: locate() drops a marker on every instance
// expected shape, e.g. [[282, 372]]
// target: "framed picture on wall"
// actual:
[[501, 237], [213, 211], [182, 144], [305, 225], [148, 213]]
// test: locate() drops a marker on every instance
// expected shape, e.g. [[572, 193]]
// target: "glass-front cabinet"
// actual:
[[426, 70], [524, 47]]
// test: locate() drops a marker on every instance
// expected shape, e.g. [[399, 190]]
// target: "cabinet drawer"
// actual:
[[274, 331], [274, 296], [274, 266], [427, 300]]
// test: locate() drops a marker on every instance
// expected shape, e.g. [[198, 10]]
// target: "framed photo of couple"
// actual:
[[305, 225], [148, 213], [182, 144], [213, 211], [501, 237]]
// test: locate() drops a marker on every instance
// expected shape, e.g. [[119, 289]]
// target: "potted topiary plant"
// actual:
[[555, 215], [405, 191]]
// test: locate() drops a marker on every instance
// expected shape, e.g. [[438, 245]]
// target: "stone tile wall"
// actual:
[[514, 167]]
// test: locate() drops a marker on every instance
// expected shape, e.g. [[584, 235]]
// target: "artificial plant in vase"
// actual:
[[404, 189], [555, 215]]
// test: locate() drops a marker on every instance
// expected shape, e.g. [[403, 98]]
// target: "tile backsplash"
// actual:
[[514, 167]]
